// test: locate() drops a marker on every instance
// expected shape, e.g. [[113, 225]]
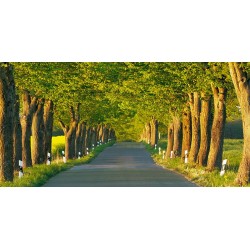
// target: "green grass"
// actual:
[[39, 174], [198, 174]]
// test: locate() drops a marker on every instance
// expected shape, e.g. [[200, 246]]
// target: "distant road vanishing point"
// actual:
[[125, 164]]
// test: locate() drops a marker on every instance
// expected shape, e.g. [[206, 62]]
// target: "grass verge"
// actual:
[[38, 175], [198, 174]]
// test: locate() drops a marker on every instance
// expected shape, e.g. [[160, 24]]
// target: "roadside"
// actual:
[[198, 174], [38, 175]]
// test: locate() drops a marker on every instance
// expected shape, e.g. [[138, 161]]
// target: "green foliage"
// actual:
[[123, 95]]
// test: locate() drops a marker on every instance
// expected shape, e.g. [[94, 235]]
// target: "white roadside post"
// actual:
[[172, 154], [79, 155], [20, 169], [155, 146], [223, 167], [159, 150], [48, 159], [93, 146], [186, 156], [98, 144], [163, 154], [64, 158], [87, 150]]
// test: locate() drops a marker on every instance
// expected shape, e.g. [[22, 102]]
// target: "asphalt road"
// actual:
[[125, 164]]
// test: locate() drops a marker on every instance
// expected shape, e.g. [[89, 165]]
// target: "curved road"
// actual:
[[125, 164]]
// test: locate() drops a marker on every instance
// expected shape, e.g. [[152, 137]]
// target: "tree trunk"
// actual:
[[154, 132], [205, 129], [194, 101], [186, 131], [48, 126], [217, 132], [7, 112], [170, 140], [88, 139], [93, 137], [242, 87], [106, 136], [38, 156], [177, 136], [84, 134], [148, 133], [17, 136], [99, 132], [70, 133], [26, 121], [78, 140]]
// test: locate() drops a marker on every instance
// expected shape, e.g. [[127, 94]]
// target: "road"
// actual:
[[125, 164]]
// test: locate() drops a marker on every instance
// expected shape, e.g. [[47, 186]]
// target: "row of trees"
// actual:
[[34, 96], [202, 96], [191, 99]]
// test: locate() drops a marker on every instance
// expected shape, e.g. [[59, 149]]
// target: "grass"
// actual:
[[39, 174], [198, 174]]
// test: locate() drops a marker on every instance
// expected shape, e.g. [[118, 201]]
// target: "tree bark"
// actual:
[[194, 102], [84, 134], [70, 135], [205, 129], [186, 131], [79, 139], [217, 132], [93, 137], [7, 113], [26, 121], [88, 138], [177, 136], [170, 140], [70, 132], [242, 88], [17, 136], [48, 126], [38, 156], [154, 132], [148, 133]]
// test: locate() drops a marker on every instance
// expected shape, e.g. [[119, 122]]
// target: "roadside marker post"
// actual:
[[172, 154], [87, 150], [79, 155], [21, 174], [159, 150], [163, 154], [48, 159], [186, 156], [223, 167], [64, 158], [155, 146]]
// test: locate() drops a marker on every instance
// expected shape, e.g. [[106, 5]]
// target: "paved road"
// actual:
[[125, 164]]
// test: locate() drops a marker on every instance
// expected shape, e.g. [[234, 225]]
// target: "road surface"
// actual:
[[125, 164]]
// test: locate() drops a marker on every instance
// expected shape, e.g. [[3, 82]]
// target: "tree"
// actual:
[[7, 117], [241, 81]]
